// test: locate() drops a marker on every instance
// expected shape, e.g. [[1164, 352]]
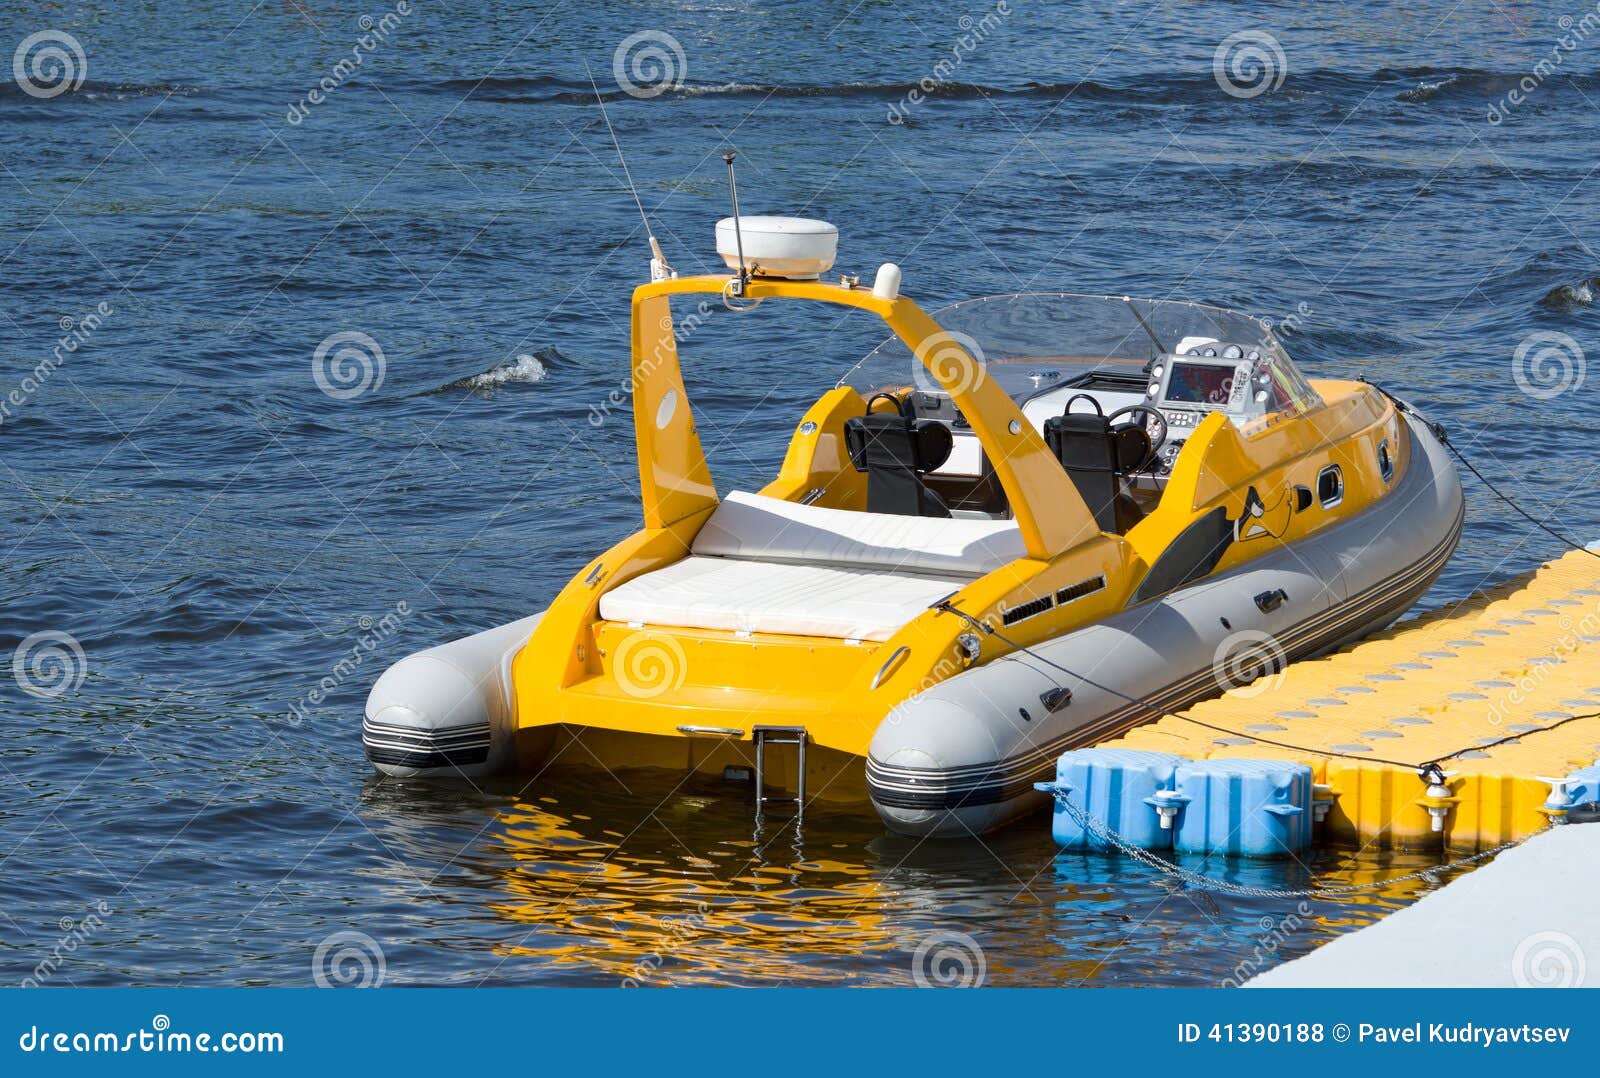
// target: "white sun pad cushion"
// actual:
[[770, 529], [776, 597]]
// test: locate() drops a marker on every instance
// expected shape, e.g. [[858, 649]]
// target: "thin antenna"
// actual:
[[659, 270], [1148, 332], [738, 234]]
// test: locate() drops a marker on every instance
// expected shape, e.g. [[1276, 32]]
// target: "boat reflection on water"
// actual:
[[643, 879], [744, 907]]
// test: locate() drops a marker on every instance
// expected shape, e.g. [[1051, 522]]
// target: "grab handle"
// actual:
[[1268, 601], [889, 666]]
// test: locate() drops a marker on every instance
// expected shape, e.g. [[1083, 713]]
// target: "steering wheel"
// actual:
[[1157, 440]]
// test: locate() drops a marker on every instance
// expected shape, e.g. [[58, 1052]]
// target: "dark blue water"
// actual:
[[216, 532]]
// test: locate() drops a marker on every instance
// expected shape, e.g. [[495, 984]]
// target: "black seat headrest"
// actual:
[[897, 439], [1075, 427], [1082, 423], [1087, 441]]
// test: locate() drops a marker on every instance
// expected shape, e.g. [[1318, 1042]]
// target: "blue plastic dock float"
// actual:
[[1255, 808], [1120, 788], [1583, 787]]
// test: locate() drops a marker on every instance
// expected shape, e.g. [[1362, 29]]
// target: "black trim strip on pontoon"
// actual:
[[1302, 639], [409, 746], [1004, 779], [419, 759], [425, 742]]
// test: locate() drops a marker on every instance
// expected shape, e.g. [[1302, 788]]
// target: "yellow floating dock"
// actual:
[[1513, 661]]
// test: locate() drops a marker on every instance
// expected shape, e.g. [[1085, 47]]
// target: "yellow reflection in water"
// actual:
[[648, 880], [645, 918]]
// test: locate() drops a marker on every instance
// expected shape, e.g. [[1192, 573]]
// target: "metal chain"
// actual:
[[1205, 883]]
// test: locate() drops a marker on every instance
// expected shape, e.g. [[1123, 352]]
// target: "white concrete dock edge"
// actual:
[[1530, 918]]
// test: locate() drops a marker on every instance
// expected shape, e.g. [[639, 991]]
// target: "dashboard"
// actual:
[[1199, 377], [1208, 376]]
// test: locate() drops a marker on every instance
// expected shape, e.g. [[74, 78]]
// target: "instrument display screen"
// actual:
[[1200, 383]]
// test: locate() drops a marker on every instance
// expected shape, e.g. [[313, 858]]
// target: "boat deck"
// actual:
[[1520, 661]]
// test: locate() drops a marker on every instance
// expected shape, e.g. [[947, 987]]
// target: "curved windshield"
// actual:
[[1035, 341]]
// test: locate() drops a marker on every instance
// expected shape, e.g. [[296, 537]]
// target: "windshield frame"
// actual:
[[1128, 333]]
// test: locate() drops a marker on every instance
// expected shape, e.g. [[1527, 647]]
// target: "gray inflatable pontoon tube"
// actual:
[[961, 758], [447, 711]]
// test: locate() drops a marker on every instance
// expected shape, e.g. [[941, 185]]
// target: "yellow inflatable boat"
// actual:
[[1018, 526]]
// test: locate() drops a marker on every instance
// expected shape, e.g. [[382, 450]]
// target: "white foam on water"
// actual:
[[526, 368]]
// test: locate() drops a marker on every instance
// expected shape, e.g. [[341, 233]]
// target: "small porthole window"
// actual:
[[1385, 461], [1330, 486]]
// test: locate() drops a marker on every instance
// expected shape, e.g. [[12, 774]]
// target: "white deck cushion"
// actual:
[[776, 597], [772, 530]]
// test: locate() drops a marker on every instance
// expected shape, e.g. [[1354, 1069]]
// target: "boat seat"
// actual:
[[843, 603], [1096, 456], [756, 527], [895, 450], [766, 565]]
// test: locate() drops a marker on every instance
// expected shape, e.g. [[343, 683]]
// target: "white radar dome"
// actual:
[[794, 247]]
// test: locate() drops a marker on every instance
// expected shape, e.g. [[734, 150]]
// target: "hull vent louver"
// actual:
[[1027, 610], [1080, 589]]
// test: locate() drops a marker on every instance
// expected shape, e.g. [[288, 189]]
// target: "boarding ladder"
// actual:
[[780, 735]]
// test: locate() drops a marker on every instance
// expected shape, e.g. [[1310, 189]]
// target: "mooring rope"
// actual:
[[1429, 771], [1444, 439]]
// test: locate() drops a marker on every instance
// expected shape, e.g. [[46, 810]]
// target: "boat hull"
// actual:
[[961, 758]]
